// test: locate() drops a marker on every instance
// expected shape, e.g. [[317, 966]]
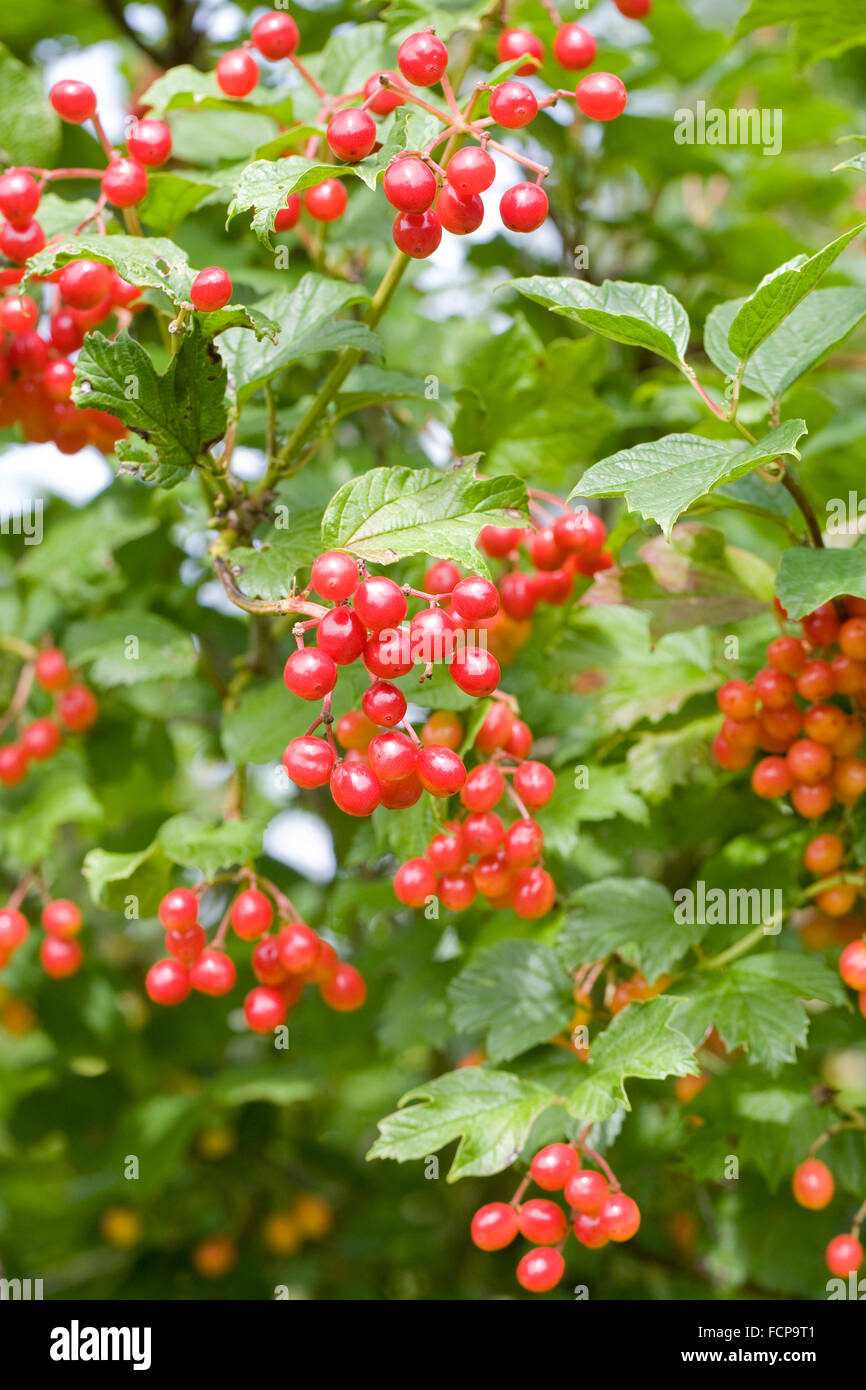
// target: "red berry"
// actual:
[[265, 1009], [534, 783], [73, 101], [539, 1271], [298, 947], [167, 982], [380, 99], [456, 891], [150, 142], [41, 739], [351, 134], [584, 533], [542, 1221], [533, 894], [445, 851], [494, 1226], [380, 603], [252, 914], [852, 965], [774, 689], [475, 598], [186, 946], [355, 731], [483, 788], [326, 202], [52, 672], [440, 770], [441, 577], [62, 918], [211, 289], [13, 764], [431, 635], [553, 1165], [475, 671], [634, 9], [18, 315], [524, 207], [821, 626], [124, 182], [825, 723], [496, 729], [587, 1228], [237, 72], [513, 105], [586, 1190], [470, 170], [524, 842], [275, 35], [619, 1216], [28, 353], [392, 755], [345, 991], [844, 1255], [355, 788], [57, 381], [342, 635], [122, 292], [422, 59], [78, 708], [460, 216], [811, 802], [787, 654], [483, 832], [335, 575], [265, 961], [19, 197], [809, 761], [771, 778], [18, 244], [410, 185], [388, 654], [179, 910], [384, 703], [59, 958], [519, 595], [812, 1185], [573, 47], [309, 761], [84, 284], [499, 541], [824, 854], [66, 334], [414, 882], [310, 673], [417, 234], [287, 217], [601, 96], [213, 972], [514, 43], [13, 928]]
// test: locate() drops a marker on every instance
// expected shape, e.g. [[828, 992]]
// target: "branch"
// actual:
[[260, 605]]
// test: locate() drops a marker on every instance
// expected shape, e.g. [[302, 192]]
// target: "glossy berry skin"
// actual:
[[514, 43], [586, 1190], [309, 761], [584, 533], [41, 739], [58, 958], [619, 1216], [553, 1165], [335, 575], [809, 761], [150, 143], [186, 946], [533, 893], [13, 765], [266, 964], [384, 100], [275, 35], [539, 1271], [542, 1221], [475, 598], [124, 182], [445, 851], [414, 882], [380, 603], [401, 792], [519, 595], [392, 755], [52, 672], [494, 1226], [634, 9], [74, 102], [351, 134], [18, 315], [422, 59], [534, 784], [13, 928], [456, 891], [524, 207], [574, 47], [443, 727], [78, 708], [388, 654], [771, 777], [62, 918], [475, 671], [483, 832], [470, 170], [298, 947], [211, 289], [513, 105], [824, 854], [410, 185], [179, 910], [355, 789], [524, 842], [310, 673], [587, 1229], [326, 202], [287, 217], [212, 972], [459, 216], [821, 626], [19, 197], [852, 965], [18, 244], [844, 1255], [167, 982], [237, 72], [84, 284], [483, 788], [812, 1185], [345, 991], [265, 1009], [417, 234], [601, 96], [384, 703], [57, 381], [252, 914], [440, 771], [496, 729], [342, 635]]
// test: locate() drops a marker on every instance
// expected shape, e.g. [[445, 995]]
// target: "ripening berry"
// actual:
[[41, 739], [515, 43], [812, 801], [84, 284], [524, 207], [586, 1191], [422, 59], [816, 681], [298, 947], [787, 654], [52, 672], [812, 1185], [809, 761], [771, 778], [342, 635], [19, 197], [475, 598], [310, 673], [494, 1226], [345, 991], [78, 708], [534, 783], [275, 35], [584, 533], [588, 1230], [150, 143], [483, 833], [470, 170], [524, 842], [380, 603], [533, 893], [844, 1255], [542, 1221], [355, 789], [265, 1009], [252, 914], [475, 671], [211, 289], [553, 1165], [619, 1216], [326, 202], [634, 9], [774, 689], [18, 315], [351, 134], [445, 851], [167, 982], [212, 972], [62, 918], [415, 882], [410, 184], [519, 743], [825, 723], [417, 234], [493, 875], [388, 654], [440, 771], [74, 102], [483, 788], [124, 182], [381, 99], [539, 1271], [13, 765], [574, 47], [60, 958], [601, 96], [824, 854], [13, 928], [237, 72], [456, 891], [179, 910], [18, 244], [384, 703], [186, 946], [513, 105], [309, 761], [57, 382], [392, 755], [286, 217], [459, 216], [335, 575], [821, 626], [852, 965]]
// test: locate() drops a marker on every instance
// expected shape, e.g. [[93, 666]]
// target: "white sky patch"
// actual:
[[223, 23], [304, 843], [248, 464], [28, 470], [148, 21], [100, 66]]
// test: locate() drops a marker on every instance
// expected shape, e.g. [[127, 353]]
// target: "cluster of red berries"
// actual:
[[813, 1188], [428, 196], [75, 709], [599, 1212], [60, 954], [814, 748], [559, 551], [124, 183], [282, 963]]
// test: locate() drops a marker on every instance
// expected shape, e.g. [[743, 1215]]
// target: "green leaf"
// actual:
[[390, 513], [778, 295], [255, 731], [267, 569], [127, 647], [185, 86], [824, 27], [514, 994], [152, 262], [178, 415], [370, 385], [76, 557], [808, 578], [29, 127], [57, 794], [813, 329], [260, 1082], [600, 794], [446, 19], [755, 1003], [195, 844], [633, 917], [113, 878], [659, 762], [662, 479], [644, 1041], [645, 316], [490, 1112]]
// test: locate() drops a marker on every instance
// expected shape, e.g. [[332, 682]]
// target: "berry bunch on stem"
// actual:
[[39, 735], [814, 1188], [60, 951]]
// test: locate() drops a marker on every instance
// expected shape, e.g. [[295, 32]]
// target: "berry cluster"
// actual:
[[430, 196], [282, 962], [559, 549], [60, 954], [813, 1188], [599, 1212], [75, 709]]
